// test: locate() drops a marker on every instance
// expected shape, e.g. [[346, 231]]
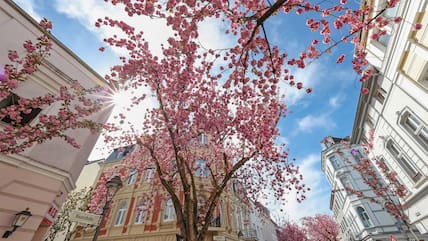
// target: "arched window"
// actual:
[[150, 173], [364, 217], [132, 176], [140, 212], [169, 213], [120, 216]]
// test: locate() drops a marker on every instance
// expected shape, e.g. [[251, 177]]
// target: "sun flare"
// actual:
[[121, 98]]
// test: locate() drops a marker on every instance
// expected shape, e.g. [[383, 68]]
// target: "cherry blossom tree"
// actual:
[[216, 111], [76, 200], [229, 97], [385, 188], [77, 103], [292, 232], [321, 227]]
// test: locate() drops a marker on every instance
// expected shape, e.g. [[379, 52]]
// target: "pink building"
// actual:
[[40, 178]]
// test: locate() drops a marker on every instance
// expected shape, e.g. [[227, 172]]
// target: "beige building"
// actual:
[[141, 211], [40, 177], [396, 108]]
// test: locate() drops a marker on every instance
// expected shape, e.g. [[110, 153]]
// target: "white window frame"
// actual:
[[169, 212], [132, 177], [121, 212], [380, 95], [335, 162], [203, 139], [150, 173], [364, 217], [415, 127], [405, 163], [393, 10], [140, 212]]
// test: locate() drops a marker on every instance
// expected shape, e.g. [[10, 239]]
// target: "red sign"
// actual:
[[50, 215]]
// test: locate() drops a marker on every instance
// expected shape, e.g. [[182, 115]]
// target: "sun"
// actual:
[[121, 98]]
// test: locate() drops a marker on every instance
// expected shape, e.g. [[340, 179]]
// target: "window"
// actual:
[[168, 213], [132, 177], [357, 155], [370, 121], [380, 95], [346, 184], [121, 152], [334, 162], [415, 67], [201, 168], [120, 216], [363, 217], [384, 39], [140, 212], [424, 80], [391, 12], [415, 127], [150, 172], [402, 160], [203, 139], [26, 118]]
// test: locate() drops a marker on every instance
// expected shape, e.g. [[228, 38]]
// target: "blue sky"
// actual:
[[329, 110]]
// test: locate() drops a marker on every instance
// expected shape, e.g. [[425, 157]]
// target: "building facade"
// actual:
[[393, 116], [142, 211], [40, 177], [357, 216]]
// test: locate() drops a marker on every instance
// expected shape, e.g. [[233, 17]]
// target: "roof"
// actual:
[[119, 153]]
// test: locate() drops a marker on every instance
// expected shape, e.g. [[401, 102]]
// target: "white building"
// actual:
[[40, 177], [358, 218], [262, 224], [396, 107]]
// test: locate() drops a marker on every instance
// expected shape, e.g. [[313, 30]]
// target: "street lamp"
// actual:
[[112, 187], [20, 219]]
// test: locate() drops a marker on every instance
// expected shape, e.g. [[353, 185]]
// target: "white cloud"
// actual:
[[156, 32], [317, 199], [336, 101], [309, 76], [88, 11], [29, 7], [308, 123]]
